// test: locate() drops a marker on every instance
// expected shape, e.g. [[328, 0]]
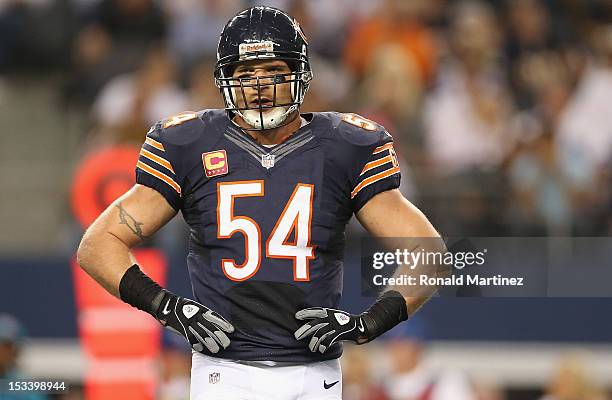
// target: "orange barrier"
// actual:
[[99, 179], [110, 328], [118, 379]]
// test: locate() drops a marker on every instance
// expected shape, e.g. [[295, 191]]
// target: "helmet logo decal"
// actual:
[[253, 47]]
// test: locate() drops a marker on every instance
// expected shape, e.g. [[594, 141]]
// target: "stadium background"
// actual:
[[501, 112]]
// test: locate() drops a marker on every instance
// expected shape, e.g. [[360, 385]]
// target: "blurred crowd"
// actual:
[[501, 110]]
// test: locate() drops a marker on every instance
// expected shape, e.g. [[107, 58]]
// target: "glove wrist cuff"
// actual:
[[140, 291], [388, 311], [156, 304]]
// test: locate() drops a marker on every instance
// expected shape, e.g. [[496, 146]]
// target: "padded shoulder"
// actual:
[[358, 131], [188, 127]]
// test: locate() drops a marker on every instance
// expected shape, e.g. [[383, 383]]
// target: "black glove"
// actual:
[[202, 327], [328, 326]]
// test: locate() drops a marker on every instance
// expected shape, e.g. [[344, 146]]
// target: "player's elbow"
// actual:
[[86, 250], [91, 246]]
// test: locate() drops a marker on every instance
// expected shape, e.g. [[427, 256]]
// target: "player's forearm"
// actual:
[[105, 258], [104, 252]]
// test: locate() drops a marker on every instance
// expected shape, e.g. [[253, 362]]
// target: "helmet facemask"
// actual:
[[268, 113]]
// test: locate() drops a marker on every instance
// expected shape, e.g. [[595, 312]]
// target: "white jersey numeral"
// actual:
[[296, 218], [228, 224]]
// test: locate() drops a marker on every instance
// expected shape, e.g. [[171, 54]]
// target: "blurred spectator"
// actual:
[[357, 379], [92, 65], [34, 34], [542, 195], [194, 27], [12, 335], [395, 23], [331, 89], [466, 115], [135, 22], [472, 203], [488, 391], [130, 103], [114, 40], [413, 379], [325, 22], [572, 381], [203, 93], [13, 17], [529, 34], [545, 188], [392, 85], [584, 139]]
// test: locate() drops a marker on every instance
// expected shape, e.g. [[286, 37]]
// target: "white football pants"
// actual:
[[219, 379]]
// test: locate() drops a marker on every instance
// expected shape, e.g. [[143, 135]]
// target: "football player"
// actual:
[[266, 192]]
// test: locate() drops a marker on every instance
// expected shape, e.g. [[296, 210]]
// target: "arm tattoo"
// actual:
[[133, 225]]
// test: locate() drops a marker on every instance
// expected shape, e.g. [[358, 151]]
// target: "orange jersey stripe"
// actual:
[[383, 148], [159, 175], [376, 163], [156, 159], [155, 143], [374, 178]]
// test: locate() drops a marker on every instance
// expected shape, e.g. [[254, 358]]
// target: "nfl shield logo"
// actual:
[[214, 377], [267, 160]]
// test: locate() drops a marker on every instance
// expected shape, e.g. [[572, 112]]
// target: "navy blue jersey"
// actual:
[[267, 223]]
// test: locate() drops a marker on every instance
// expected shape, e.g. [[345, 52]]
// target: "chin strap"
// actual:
[[274, 118]]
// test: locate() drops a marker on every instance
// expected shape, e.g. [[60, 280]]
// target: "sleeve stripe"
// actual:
[[156, 159], [376, 163], [373, 179], [155, 143], [382, 148], [144, 167]]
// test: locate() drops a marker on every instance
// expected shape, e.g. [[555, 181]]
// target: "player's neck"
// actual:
[[272, 136]]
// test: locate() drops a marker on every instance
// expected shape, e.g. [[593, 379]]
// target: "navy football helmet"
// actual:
[[262, 33]]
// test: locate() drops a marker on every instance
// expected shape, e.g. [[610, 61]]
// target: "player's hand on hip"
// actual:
[[327, 326], [204, 329]]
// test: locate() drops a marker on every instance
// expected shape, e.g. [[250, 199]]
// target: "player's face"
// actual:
[[264, 94]]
